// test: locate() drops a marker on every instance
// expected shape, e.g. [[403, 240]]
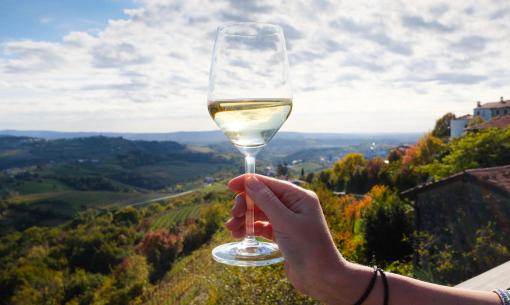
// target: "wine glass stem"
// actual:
[[250, 206]]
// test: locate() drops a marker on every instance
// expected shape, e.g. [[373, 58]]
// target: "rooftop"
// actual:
[[496, 178], [465, 117], [497, 277], [496, 122], [492, 105]]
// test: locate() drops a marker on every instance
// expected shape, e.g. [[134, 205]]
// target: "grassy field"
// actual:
[[41, 186]]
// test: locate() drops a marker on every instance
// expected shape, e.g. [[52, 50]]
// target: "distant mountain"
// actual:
[[214, 137], [182, 137]]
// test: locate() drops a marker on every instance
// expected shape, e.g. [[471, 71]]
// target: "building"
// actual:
[[458, 125], [451, 211], [489, 110], [482, 194]]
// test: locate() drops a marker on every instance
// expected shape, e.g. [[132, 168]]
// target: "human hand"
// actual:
[[293, 218]]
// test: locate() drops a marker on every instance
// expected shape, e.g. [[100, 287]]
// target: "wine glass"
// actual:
[[249, 98]]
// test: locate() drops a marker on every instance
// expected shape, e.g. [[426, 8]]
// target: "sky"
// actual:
[[142, 66]]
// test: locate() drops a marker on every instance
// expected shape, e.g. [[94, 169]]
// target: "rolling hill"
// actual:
[[46, 182]]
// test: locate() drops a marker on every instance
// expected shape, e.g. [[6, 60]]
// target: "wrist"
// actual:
[[345, 283], [335, 284]]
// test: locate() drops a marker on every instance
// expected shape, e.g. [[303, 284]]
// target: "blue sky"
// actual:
[[142, 66], [52, 19]]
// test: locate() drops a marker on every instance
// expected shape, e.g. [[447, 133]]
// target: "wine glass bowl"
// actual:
[[249, 98]]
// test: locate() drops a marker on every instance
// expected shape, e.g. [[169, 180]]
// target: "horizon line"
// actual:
[[204, 131]]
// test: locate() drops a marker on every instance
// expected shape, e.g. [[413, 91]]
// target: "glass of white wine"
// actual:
[[249, 98]]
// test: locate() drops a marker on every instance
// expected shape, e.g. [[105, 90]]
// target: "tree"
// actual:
[[426, 150], [348, 164], [132, 279], [282, 170], [161, 248], [442, 128], [486, 148], [40, 285], [84, 288], [387, 225], [127, 216], [477, 120], [395, 154], [309, 177], [350, 167], [93, 250]]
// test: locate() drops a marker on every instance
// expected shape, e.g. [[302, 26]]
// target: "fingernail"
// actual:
[[253, 184], [237, 201]]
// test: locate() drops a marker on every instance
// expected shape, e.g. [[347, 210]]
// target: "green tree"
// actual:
[[39, 285], [442, 128], [127, 216], [350, 167], [477, 120], [387, 226], [131, 279], [487, 148], [85, 288]]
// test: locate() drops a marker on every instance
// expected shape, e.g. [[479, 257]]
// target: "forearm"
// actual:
[[348, 282]]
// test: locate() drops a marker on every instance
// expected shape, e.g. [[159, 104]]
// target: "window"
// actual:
[[478, 113]]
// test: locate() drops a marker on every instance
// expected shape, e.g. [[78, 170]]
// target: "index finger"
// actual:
[[278, 187]]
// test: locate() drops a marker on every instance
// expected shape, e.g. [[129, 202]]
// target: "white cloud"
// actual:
[[364, 66], [45, 20]]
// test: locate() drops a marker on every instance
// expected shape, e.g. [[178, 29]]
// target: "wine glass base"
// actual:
[[242, 255]]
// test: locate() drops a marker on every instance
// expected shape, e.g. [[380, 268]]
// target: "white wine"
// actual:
[[250, 122]]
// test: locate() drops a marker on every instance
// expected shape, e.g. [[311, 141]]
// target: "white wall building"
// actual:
[[458, 125]]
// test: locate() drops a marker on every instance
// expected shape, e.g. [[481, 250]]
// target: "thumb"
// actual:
[[266, 200]]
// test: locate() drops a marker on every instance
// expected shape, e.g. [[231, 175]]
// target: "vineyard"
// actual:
[[198, 279], [173, 217]]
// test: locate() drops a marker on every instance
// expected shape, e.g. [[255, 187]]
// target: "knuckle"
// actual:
[[313, 195]]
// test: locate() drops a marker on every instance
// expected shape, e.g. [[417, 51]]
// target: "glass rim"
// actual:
[[274, 29]]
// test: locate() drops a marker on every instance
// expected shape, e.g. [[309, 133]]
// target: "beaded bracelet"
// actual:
[[385, 285], [504, 296], [371, 286]]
